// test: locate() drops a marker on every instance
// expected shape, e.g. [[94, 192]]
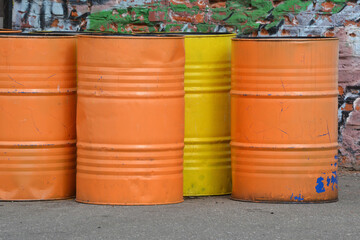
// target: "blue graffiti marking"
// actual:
[[291, 196], [320, 185], [327, 181], [337, 159], [299, 198], [334, 180]]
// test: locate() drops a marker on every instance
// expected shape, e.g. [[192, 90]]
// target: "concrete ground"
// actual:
[[200, 218]]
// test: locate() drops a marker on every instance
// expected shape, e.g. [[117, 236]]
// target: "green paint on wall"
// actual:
[[245, 16]]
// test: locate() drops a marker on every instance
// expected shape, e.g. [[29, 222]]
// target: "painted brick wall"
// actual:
[[340, 18]]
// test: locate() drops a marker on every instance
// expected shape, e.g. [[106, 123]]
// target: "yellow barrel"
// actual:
[[207, 165]]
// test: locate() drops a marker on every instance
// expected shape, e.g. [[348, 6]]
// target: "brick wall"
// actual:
[[340, 18]]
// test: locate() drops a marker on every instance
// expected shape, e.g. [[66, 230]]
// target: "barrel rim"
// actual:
[[202, 34], [131, 36], [278, 39], [36, 35]]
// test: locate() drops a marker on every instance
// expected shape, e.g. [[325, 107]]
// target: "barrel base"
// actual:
[[206, 194], [127, 204], [286, 202], [207, 168]]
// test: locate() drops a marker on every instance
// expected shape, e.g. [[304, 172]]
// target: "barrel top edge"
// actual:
[[279, 39], [206, 35], [192, 34], [124, 36], [33, 35]]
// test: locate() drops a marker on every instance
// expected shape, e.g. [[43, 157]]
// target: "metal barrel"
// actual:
[[130, 119], [207, 164], [284, 119], [37, 117]]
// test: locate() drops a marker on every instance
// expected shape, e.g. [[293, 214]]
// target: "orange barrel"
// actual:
[[130, 119], [284, 119], [37, 117]]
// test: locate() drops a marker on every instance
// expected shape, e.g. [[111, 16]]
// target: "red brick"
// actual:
[[198, 18], [348, 107], [341, 90], [156, 16], [327, 6]]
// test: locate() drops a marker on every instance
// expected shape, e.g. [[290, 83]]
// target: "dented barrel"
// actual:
[[284, 119], [207, 165], [130, 119], [37, 117]]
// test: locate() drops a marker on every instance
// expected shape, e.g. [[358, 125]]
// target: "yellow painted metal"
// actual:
[[207, 164]]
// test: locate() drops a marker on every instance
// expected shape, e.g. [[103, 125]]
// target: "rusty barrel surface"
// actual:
[[284, 119], [37, 117], [130, 119], [207, 165]]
